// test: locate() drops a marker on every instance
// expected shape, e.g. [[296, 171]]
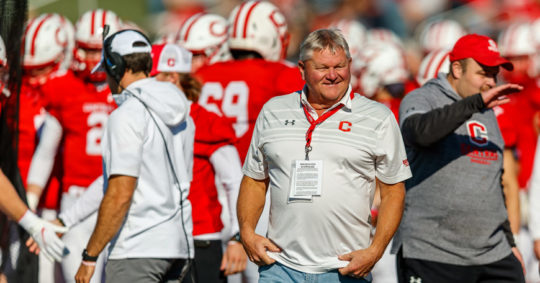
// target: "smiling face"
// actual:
[[327, 75]]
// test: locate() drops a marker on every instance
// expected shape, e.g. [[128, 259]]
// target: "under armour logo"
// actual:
[[415, 280], [287, 122]]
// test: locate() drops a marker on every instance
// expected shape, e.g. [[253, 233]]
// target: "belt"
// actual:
[[205, 243]]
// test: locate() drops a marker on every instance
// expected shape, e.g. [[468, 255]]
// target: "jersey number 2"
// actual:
[[96, 122]]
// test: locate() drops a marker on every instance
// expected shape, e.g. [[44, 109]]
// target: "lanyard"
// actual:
[[313, 123]]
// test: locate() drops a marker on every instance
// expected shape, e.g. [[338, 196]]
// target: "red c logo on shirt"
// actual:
[[477, 133], [345, 126]]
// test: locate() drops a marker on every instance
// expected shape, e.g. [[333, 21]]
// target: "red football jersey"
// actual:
[[82, 111], [31, 118], [211, 133], [516, 121], [239, 89]]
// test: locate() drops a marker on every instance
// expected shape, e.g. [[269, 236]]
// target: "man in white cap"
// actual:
[[147, 160]]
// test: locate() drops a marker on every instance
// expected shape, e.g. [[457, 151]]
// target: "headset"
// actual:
[[115, 66]]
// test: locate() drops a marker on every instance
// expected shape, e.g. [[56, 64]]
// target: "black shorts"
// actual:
[[410, 270]]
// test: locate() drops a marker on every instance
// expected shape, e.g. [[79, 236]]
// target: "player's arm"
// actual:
[[43, 160], [390, 212], [228, 168], [249, 208], [85, 205], [227, 165], [42, 231]]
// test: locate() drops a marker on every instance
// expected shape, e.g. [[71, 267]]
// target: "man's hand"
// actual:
[[34, 247], [360, 262], [537, 248], [44, 234], [497, 95], [256, 247], [517, 254], [234, 260], [85, 272]]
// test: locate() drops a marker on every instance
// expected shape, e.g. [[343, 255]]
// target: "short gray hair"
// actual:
[[322, 39]]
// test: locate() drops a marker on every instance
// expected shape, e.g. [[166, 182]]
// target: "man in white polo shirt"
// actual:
[[147, 159], [321, 151]]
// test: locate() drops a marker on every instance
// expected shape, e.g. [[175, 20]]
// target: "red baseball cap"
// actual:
[[480, 48]]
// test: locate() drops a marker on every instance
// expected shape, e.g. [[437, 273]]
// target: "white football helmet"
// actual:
[[382, 35], [259, 26], [89, 36], [516, 40], [205, 34], [89, 28], [434, 63], [356, 35], [383, 64], [439, 35], [45, 41]]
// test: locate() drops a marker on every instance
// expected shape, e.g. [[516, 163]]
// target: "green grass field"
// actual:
[[131, 10]]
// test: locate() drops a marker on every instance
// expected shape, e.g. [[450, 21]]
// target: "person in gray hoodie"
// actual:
[[455, 226], [147, 161]]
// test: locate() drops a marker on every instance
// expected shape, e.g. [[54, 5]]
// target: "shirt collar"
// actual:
[[346, 100]]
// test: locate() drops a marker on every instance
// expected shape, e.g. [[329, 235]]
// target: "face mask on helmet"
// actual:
[[38, 76], [84, 63]]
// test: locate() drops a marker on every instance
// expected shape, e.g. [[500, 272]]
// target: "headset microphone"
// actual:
[[106, 29]]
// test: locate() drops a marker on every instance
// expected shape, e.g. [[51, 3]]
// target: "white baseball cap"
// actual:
[[170, 57], [125, 42]]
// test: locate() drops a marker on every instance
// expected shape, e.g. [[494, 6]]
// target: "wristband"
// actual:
[[88, 263], [86, 257]]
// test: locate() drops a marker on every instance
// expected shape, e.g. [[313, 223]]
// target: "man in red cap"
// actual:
[[455, 226]]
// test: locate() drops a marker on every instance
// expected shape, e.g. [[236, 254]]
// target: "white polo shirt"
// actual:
[[359, 142], [133, 146]]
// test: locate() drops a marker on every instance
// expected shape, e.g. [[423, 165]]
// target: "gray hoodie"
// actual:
[[454, 206]]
